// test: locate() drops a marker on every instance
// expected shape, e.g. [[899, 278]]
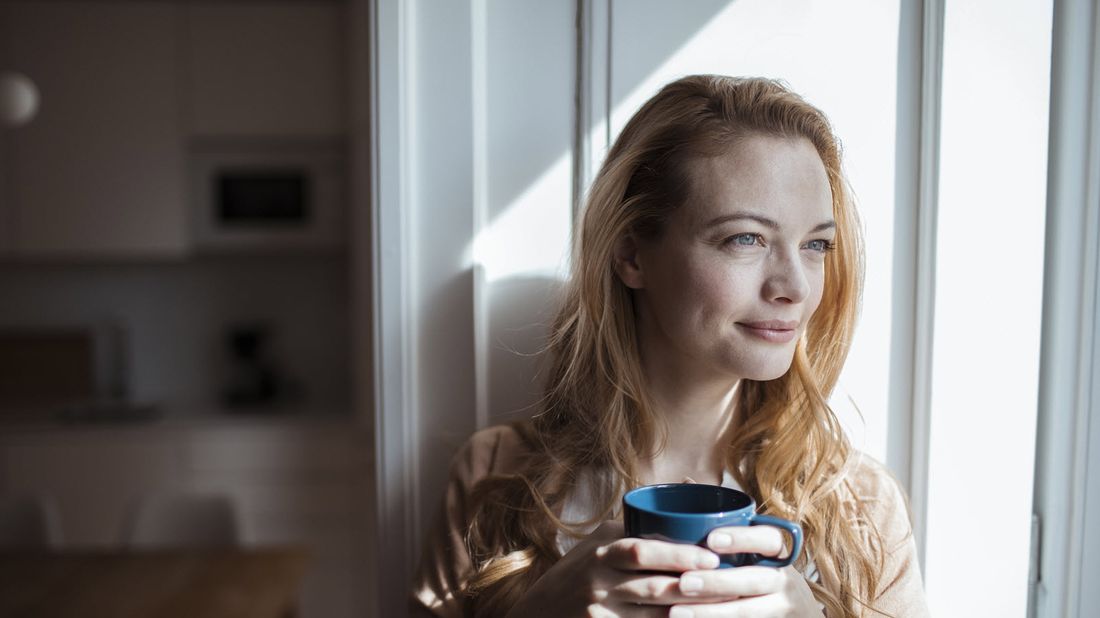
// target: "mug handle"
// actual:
[[792, 529]]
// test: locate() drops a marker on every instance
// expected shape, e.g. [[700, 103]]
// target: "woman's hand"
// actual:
[[759, 592], [607, 575]]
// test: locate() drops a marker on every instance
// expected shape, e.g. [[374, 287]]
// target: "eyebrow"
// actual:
[[762, 220]]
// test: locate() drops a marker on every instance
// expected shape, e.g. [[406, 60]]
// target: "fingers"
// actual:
[[636, 611], [766, 540], [648, 590], [697, 586], [748, 581], [772, 605], [714, 586], [633, 554]]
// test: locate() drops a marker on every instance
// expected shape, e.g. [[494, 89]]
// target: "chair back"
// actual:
[[29, 521], [163, 520]]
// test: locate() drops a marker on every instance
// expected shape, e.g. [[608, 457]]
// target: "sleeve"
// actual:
[[901, 590], [445, 563]]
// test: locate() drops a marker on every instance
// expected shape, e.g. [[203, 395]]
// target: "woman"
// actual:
[[717, 275]]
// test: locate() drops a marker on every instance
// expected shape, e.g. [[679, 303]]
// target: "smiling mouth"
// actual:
[[772, 331]]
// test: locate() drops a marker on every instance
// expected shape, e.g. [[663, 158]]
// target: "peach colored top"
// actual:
[[446, 566]]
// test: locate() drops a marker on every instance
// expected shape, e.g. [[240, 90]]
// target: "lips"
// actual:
[[771, 325], [772, 331]]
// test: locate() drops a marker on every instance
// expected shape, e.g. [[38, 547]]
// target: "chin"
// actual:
[[770, 369], [767, 376]]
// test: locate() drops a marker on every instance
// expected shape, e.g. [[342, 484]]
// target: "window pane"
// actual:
[[992, 201]]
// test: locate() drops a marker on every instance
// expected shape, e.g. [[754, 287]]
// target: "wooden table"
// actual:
[[231, 583]]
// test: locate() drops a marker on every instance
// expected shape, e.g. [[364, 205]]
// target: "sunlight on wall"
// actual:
[[842, 57], [989, 280], [531, 237]]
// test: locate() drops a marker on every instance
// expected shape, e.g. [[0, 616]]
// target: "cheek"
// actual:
[[686, 297], [722, 290], [701, 280], [817, 290], [714, 288]]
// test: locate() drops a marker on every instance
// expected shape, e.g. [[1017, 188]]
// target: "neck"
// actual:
[[699, 416]]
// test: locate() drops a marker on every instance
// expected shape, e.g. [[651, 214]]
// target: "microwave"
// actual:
[[268, 195], [55, 370]]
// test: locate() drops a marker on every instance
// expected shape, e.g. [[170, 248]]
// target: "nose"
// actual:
[[786, 280]]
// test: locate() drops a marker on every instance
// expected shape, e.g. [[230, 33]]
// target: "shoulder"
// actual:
[[500, 449], [446, 564], [879, 510], [875, 494], [870, 479]]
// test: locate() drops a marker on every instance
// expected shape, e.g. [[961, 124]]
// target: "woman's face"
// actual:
[[729, 286]]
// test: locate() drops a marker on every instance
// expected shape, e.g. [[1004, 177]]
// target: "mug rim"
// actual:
[[748, 508]]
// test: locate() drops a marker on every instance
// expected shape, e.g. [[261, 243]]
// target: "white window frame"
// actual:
[[1064, 569], [393, 342], [920, 69]]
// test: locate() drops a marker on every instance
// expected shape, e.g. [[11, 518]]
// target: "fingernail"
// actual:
[[690, 584], [707, 561], [681, 612], [720, 540]]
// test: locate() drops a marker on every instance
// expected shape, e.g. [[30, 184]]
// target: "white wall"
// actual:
[[522, 241], [441, 220], [489, 212]]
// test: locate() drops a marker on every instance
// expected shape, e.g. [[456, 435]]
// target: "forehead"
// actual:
[[777, 177]]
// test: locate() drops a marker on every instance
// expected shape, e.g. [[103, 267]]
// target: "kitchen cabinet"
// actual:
[[129, 91], [100, 170], [265, 69], [304, 484]]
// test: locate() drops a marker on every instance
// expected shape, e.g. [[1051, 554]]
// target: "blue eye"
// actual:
[[744, 240], [821, 245]]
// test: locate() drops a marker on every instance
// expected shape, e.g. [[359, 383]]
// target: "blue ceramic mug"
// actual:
[[688, 512]]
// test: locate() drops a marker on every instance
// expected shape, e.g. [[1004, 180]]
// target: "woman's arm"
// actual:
[[901, 590], [445, 562]]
